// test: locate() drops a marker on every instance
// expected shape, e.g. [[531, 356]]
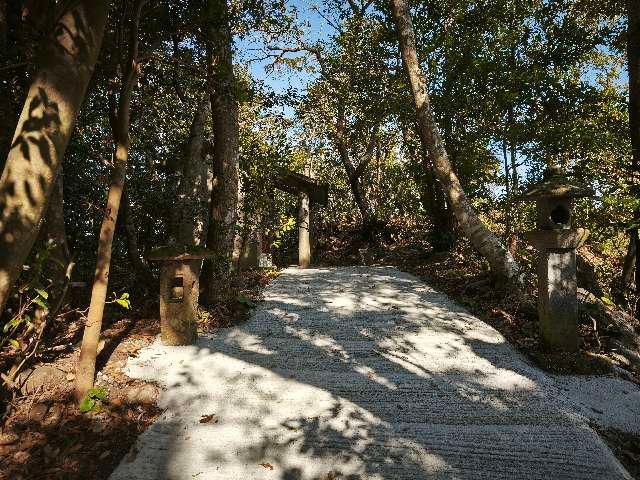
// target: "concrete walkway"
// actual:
[[360, 373]]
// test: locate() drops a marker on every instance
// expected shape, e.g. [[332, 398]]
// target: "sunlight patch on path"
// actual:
[[361, 373]]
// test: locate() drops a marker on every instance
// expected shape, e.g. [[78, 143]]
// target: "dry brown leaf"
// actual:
[[209, 418]]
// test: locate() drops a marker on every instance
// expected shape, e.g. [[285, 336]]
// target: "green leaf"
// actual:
[[14, 322], [87, 404], [41, 303], [42, 293], [98, 393], [608, 302], [123, 303], [14, 343]]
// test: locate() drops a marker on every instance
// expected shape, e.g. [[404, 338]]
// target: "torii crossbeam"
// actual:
[[308, 191]]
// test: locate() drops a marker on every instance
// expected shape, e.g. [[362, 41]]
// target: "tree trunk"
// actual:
[[45, 126], [120, 120], [224, 111], [633, 53], [53, 230], [500, 260], [241, 236], [4, 23], [360, 198], [140, 266], [192, 210]]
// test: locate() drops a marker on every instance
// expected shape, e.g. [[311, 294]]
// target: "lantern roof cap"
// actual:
[[179, 253], [556, 184]]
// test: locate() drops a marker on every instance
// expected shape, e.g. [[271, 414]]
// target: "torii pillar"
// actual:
[[304, 224], [309, 192]]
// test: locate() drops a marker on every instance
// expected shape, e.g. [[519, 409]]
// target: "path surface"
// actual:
[[359, 373]]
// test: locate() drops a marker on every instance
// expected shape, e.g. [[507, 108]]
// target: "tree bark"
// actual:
[[120, 120], [140, 266], [53, 230], [633, 54], [224, 110], [192, 210], [4, 23], [44, 128], [502, 264], [354, 173]]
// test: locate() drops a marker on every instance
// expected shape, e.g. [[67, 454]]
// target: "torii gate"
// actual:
[[308, 191]]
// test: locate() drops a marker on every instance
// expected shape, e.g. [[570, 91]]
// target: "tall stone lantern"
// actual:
[[556, 242]]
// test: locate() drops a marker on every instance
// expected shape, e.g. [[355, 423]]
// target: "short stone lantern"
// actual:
[[556, 243], [179, 291]]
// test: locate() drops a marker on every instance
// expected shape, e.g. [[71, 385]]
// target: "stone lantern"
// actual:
[[556, 242], [179, 291]]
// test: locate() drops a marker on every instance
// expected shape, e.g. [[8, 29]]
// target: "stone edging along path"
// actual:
[[368, 373]]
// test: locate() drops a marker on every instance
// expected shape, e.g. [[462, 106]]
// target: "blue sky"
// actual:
[[281, 80]]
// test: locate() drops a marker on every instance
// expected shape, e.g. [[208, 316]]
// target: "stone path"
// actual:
[[359, 373]]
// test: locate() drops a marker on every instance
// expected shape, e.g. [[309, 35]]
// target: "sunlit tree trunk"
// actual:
[[224, 110], [502, 264], [633, 53], [120, 119], [66, 64]]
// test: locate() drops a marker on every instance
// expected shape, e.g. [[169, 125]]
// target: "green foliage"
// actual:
[[93, 400], [124, 301]]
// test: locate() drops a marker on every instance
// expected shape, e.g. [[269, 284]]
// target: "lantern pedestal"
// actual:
[[557, 286]]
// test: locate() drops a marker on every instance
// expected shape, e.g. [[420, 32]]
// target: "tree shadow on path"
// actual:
[[360, 374]]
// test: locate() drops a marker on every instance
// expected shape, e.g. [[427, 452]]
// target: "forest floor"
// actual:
[[45, 436]]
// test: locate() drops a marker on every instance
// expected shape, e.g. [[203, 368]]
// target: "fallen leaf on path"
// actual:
[[209, 418], [268, 466]]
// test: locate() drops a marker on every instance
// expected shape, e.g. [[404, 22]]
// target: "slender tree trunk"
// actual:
[[507, 188], [241, 235], [140, 266], [4, 23], [633, 53], [360, 198], [224, 110], [502, 264], [120, 120], [621, 286], [355, 172], [47, 120]]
